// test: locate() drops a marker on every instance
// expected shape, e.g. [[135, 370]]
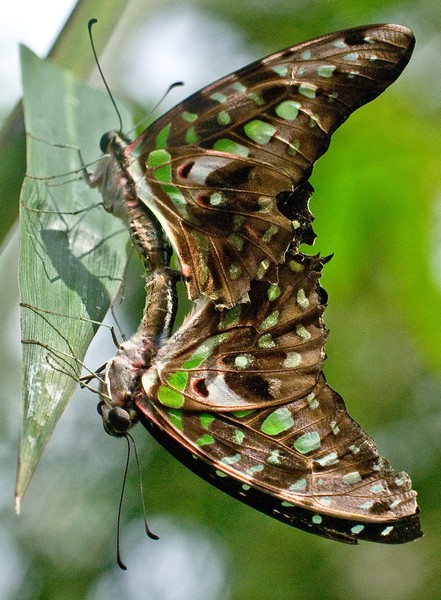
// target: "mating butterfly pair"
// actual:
[[237, 393]]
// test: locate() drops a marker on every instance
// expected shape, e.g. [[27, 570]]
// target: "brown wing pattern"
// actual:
[[215, 168], [262, 415]]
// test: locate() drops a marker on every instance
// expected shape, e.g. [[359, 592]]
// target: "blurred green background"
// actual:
[[377, 208]]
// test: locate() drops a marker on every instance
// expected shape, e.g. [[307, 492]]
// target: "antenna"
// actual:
[[148, 531], [89, 26]]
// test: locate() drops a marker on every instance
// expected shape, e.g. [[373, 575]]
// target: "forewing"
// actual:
[[307, 464], [218, 169]]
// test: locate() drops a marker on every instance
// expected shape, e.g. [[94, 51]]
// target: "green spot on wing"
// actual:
[[172, 192], [266, 203], [175, 417], [387, 530], [273, 292], [292, 360], [239, 436], [239, 87], [376, 488], [243, 413], [259, 131], [243, 361], [326, 70], [303, 332], [263, 268], [308, 90], [265, 341], [351, 478], [194, 361], [277, 421], [256, 97], [218, 97], [189, 117], [231, 460], [298, 486], [269, 233], [255, 469], [162, 137], [288, 110], [178, 380], [170, 397], [158, 157], [217, 199], [294, 147], [159, 161], [231, 147], [270, 321], [280, 70], [203, 254], [273, 458], [191, 136], [231, 317], [205, 440], [295, 266], [206, 420], [237, 241], [238, 220], [307, 442], [302, 300], [357, 529], [234, 270], [223, 118], [329, 459], [205, 350]]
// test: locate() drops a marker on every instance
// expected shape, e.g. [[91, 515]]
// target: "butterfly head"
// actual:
[[120, 385], [112, 142], [117, 420]]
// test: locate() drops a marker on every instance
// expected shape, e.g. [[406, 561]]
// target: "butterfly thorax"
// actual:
[[111, 177]]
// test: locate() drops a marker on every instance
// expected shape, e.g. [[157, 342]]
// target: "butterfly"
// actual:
[[225, 173], [240, 398], [238, 393]]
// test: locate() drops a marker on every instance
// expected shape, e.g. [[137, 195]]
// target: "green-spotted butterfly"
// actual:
[[224, 172], [238, 395]]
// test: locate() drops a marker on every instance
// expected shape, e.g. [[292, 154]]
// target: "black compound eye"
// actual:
[[119, 419], [99, 408], [106, 139]]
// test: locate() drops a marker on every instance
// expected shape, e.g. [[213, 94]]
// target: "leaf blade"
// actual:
[[71, 265]]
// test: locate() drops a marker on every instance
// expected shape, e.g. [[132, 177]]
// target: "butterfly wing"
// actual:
[[226, 171], [241, 399]]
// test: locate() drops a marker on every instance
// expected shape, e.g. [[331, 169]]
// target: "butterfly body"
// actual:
[[237, 393]]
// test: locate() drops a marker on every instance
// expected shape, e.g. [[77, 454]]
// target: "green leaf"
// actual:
[[71, 265]]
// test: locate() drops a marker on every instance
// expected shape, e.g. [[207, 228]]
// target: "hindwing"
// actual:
[[239, 396]]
